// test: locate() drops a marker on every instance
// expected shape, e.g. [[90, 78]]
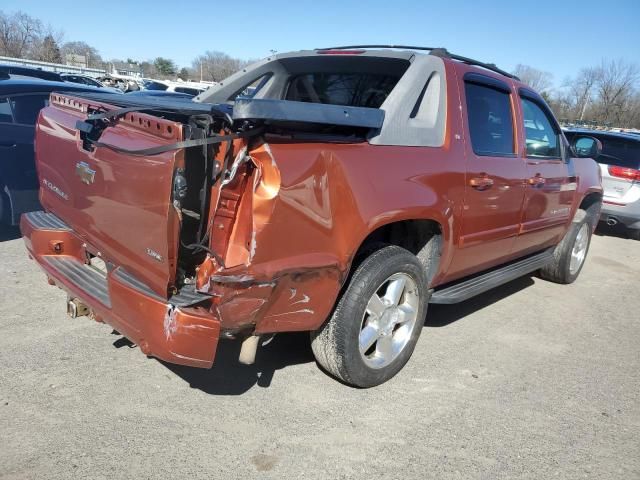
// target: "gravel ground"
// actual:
[[532, 380]]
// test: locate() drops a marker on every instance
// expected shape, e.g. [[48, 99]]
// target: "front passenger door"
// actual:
[[550, 187], [495, 176]]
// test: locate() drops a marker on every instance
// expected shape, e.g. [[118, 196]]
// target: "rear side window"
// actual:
[[490, 120], [155, 86], [5, 111], [542, 139], [26, 107], [620, 152], [349, 89], [188, 91]]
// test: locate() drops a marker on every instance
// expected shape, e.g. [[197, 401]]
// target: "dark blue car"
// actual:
[[20, 102]]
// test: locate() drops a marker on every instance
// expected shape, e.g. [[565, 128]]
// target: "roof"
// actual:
[[26, 85], [9, 69], [437, 51], [588, 131]]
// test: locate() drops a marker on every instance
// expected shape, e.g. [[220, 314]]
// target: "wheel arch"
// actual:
[[591, 203], [425, 237]]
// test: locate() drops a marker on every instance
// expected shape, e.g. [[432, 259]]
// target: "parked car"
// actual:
[[21, 99], [160, 93], [187, 88], [355, 186], [12, 71], [620, 168], [81, 79]]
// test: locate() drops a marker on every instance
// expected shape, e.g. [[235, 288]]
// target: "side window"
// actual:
[[542, 138], [26, 107], [490, 120], [5, 111], [254, 87]]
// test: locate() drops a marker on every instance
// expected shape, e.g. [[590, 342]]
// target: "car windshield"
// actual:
[[349, 89]]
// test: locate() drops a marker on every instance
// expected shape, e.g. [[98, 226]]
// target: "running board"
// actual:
[[466, 289]]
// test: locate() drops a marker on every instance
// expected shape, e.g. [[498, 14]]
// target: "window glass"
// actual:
[[26, 107], [617, 150], [542, 138], [349, 89], [5, 111], [150, 85], [254, 87], [188, 91], [490, 120]]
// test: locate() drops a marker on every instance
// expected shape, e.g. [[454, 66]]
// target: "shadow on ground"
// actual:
[[228, 377], [619, 231], [9, 233], [443, 315]]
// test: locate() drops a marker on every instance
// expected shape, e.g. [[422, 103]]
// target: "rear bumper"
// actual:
[[628, 214], [165, 329]]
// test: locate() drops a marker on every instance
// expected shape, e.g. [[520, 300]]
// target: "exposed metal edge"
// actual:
[[184, 298], [83, 276], [290, 111]]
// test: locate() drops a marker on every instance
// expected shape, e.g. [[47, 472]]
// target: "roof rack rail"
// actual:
[[440, 52]]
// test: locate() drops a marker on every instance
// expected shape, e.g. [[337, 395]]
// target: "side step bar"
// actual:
[[471, 287]]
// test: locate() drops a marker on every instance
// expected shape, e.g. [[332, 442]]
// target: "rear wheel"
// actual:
[[570, 253], [634, 234], [377, 321]]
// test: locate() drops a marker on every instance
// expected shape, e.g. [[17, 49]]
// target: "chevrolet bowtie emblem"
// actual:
[[85, 172]]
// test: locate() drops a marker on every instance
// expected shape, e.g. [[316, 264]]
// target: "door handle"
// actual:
[[481, 183], [537, 181], [7, 144]]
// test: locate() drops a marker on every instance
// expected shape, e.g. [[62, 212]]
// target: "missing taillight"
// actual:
[[630, 174]]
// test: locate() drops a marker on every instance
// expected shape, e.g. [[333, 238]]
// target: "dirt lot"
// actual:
[[533, 380]]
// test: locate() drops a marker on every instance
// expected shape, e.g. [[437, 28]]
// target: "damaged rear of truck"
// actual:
[[238, 215]]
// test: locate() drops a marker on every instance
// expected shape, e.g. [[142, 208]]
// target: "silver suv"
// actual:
[[620, 167]]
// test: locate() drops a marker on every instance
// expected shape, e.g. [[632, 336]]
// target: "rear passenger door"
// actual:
[[18, 114], [8, 144], [495, 174], [550, 186]]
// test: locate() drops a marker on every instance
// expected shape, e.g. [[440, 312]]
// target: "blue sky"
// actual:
[[556, 36]]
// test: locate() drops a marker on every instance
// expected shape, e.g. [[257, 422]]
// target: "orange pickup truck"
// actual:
[[337, 191]]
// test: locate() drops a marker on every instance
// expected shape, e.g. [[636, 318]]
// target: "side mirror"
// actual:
[[587, 147]]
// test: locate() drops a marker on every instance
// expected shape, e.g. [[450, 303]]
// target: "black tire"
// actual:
[[559, 270], [336, 344]]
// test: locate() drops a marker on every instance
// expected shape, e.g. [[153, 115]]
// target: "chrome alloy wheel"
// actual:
[[389, 320], [579, 251]]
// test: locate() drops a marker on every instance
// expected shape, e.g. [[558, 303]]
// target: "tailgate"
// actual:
[[121, 204]]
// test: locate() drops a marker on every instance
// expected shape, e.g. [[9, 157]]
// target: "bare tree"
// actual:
[[581, 90], [616, 84], [47, 48], [216, 66], [536, 79], [18, 34], [92, 57]]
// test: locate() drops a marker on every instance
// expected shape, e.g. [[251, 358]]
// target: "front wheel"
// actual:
[[377, 321], [570, 253]]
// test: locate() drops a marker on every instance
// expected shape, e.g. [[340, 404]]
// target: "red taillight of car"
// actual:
[[623, 172], [340, 52]]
